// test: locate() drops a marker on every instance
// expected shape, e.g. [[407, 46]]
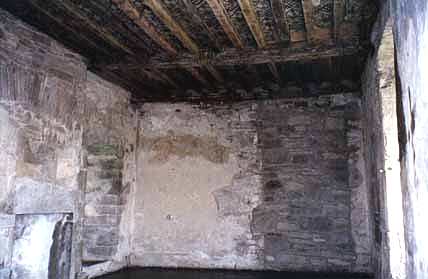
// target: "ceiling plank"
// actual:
[[195, 16], [160, 11], [97, 28], [250, 15], [280, 22], [128, 8], [339, 15], [222, 17], [249, 56], [314, 33]]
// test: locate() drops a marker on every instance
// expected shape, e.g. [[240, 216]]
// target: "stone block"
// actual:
[[104, 220], [34, 197]]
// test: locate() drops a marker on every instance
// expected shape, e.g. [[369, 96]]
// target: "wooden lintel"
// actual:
[[128, 8], [250, 15], [281, 25], [222, 17], [251, 56], [161, 12]]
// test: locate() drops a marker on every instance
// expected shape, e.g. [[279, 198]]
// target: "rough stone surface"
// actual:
[[411, 40], [259, 185], [51, 112]]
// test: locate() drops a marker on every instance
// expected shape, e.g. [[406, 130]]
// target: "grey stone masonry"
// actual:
[[309, 171], [102, 203]]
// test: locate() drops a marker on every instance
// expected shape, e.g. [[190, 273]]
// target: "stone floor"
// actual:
[[158, 273]]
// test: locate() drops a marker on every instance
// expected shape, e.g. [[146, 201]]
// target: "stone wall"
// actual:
[[256, 185], [411, 39], [382, 153], [52, 111]]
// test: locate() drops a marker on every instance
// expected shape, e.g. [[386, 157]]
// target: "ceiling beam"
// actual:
[[194, 71], [160, 11], [193, 12], [97, 28], [249, 56], [309, 25], [339, 14], [274, 70], [250, 15], [216, 74], [128, 8], [70, 29], [222, 17], [280, 22], [253, 22], [314, 33], [155, 74]]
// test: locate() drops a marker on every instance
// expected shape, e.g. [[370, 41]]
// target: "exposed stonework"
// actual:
[[411, 42], [51, 112], [255, 185]]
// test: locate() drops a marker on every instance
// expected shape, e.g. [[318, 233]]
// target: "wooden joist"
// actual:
[[250, 15], [222, 17], [250, 56], [155, 74], [274, 70], [281, 25], [128, 8], [314, 33], [101, 31], [216, 74], [194, 71], [193, 11], [61, 23], [164, 15], [339, 14]]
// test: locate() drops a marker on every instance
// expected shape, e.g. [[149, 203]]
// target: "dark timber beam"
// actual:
[[339, 14], [253, 22], [251, 56], [160, 11], [194, 71], [314, 33], [68, 28], [221, 15], [98, 29], [274, 70], [195, 16], [128, 8], [155, 74], [216, 74], [280, 22], [250, 15]]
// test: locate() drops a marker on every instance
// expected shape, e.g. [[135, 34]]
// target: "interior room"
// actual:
[[213, 139]]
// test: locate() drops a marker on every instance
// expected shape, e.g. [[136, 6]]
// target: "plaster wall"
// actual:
[[255, 185]]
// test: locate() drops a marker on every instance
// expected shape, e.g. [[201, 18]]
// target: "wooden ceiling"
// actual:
[[200, 50]]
